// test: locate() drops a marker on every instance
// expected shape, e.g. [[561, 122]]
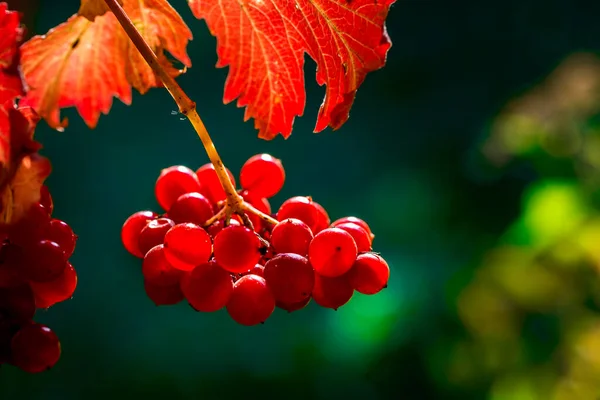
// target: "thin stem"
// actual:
[[186, 106]]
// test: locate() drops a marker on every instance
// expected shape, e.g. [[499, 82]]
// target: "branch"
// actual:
[[235, 202]]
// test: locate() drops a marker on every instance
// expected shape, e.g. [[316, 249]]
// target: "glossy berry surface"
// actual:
[[263, 175], [291, 236], [251, 301], [154, 233], [290, 277], [191, 207], [211, 186], [237, 249], [132, 227], [332, 292], [207, 287], [332, 252], [172, 183], [157, 270], [35, 348], [186, 246], [369, 274]]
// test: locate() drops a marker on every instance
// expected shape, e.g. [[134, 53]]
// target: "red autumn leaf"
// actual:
[[263, 42], [91, 9], [22, 170], [83, 64]]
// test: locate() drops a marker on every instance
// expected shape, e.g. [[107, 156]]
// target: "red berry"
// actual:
[[290, 277], [356, 221], [17, 303], [291, 307], [218, 226], [360, 236], [163, 295], [60, 232], [261, 204], [172, 183], [186, 246], [258, 270], [302, 208], [132, 227], [31, 226], [35, 348], [251, 301], [369, 274], [191, 207], [291, 236], [332, 292], [207, 287], [323, 220], [154, 233], [60, 289], [157, 270], [262, 175], [44, 261], [237, 249], [332, 252], [46, 199], [211, 185]]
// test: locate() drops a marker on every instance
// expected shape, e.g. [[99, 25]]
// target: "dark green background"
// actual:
[[402, 162]]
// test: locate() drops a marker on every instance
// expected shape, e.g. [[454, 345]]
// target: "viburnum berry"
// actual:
[[31, 227], [332, 292], [163, 295], [157, 270], [258, 270], [261, 204], [186, 246], [291, 307], [44, 261], [237, 249], [369, 274], [360, 236], [290, 277], [291, 236], [356, 221], [263, 175], [251, 302], [323, 220], [154, 233], [35, 348], [218, 226], [60, 289], [191, 207], [211, 186], [172, 183], [132, 227], [283, 261], [60, 232], [207, 287], [332, 252], [302, 208]]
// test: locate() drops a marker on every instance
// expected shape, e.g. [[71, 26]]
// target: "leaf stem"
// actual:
[[235, 202]]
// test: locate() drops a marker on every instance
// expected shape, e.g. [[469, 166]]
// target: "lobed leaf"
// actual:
[[85, 64], [22, 170], [263, 42]]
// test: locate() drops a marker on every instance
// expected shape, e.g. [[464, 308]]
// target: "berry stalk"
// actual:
[[235, 203]]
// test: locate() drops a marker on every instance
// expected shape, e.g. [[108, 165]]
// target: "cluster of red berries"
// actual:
[[215, 264], [35, 272]]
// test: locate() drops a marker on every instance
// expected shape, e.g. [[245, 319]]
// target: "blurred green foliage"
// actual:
[[475, 157]]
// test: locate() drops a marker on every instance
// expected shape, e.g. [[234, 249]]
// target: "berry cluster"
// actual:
[[191, 253], [35, 272]]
